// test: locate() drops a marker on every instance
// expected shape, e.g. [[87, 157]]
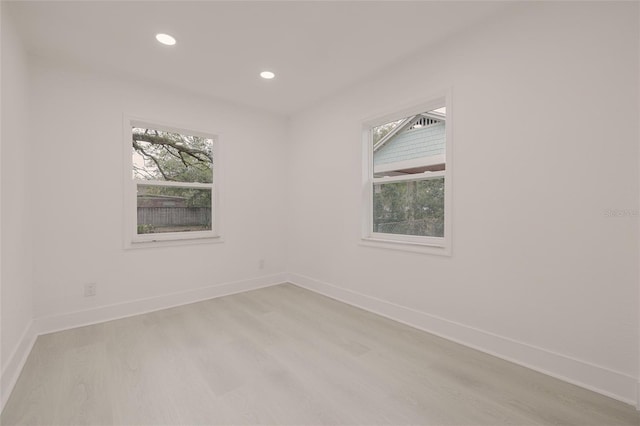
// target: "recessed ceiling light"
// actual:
[[166, 39], [267, 75]]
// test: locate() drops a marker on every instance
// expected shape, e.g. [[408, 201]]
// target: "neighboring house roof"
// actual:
[[419, 136]]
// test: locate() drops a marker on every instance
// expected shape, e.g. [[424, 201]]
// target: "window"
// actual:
[[407, 183], [171, 184]]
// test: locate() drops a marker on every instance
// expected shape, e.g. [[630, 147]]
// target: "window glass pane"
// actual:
[[383, 130], [173, 209], [412, 145], [409, 208], [160, 155]]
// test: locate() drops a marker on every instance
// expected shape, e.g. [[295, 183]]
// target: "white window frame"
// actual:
[[413, 243], [131, 237]]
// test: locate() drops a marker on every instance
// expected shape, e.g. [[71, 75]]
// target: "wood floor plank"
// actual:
[[283, 355]]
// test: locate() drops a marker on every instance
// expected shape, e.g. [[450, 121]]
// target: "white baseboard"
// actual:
[[599, 379], [11, 371], [100, 314], [50, 324]]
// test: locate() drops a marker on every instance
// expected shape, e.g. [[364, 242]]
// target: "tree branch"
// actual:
[[145, 154], [183, 160], [198, 154]]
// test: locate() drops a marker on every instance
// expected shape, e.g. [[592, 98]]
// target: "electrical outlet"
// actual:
[[90, 289], [261, 264]]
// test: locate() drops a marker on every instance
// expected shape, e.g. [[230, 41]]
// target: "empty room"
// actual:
[[320, 213]]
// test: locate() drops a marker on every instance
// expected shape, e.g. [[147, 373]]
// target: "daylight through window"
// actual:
[[406, 184], [173, 178]]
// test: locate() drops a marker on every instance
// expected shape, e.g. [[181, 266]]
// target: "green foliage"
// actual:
[[413, 208], [172, 156], [381, 131], [146, 229]]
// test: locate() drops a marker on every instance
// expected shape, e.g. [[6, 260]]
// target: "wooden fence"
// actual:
[[174, 216]]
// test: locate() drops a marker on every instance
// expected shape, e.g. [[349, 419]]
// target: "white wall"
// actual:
[[77, 134], [545, 109], [545, 113], [16, 262]]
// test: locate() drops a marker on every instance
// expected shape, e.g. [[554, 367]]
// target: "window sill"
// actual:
[[174, 242], [414, 247]]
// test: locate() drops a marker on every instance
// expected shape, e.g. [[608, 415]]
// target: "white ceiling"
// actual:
[[315, 48]]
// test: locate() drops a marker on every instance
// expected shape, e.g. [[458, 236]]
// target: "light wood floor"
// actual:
[[283, 355]]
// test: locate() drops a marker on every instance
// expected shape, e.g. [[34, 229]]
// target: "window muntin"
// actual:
[[173, 183], [407, 178]]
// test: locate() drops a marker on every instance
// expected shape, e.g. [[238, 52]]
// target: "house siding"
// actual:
[[411, 144]]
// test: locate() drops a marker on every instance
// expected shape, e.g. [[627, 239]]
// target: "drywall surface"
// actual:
[[545, 181], [17, 171], [77, 132]]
